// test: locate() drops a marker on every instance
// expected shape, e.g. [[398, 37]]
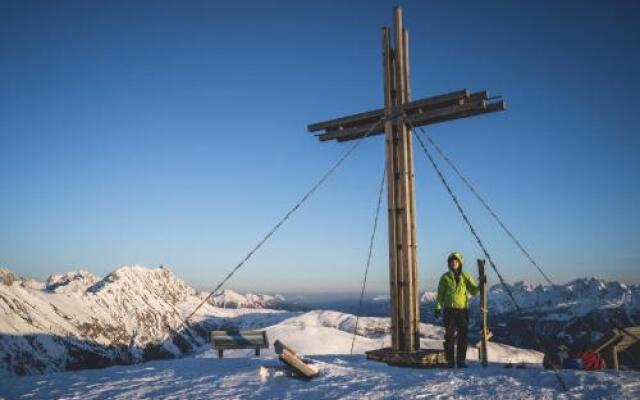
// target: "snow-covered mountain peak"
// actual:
[[592, 284], [230, 295], [231, 299], [75, 281], [577, 297], [428, 297], [139, 279], [381, 298], [7, 277], [523, 286], [125, 316]]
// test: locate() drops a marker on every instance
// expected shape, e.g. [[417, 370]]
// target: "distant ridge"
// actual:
[[77, 320]]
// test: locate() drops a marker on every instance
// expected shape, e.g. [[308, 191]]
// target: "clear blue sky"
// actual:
[[175, 133]]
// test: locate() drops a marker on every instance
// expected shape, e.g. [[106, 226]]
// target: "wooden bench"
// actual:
[[233, 339]]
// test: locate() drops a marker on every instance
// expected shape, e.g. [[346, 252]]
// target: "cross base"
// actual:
[[423, 358]]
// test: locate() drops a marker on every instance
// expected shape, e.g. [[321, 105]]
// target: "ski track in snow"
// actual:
[[341, 377]]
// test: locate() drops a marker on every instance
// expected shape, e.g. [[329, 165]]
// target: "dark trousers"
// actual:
[[455, 319]]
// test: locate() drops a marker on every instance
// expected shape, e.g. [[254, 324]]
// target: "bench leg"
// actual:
[[257, 351], [220, 353]]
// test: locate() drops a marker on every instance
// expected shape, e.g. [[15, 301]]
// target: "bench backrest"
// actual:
[[239, 339], [620, 338], [629, 337]]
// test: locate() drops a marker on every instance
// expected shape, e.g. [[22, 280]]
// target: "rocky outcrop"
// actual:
[[7, 277]]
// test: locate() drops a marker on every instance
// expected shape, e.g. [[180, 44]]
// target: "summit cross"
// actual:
[[395, 121]]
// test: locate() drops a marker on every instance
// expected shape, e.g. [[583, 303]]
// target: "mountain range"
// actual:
[[575, 314], [78, 320]]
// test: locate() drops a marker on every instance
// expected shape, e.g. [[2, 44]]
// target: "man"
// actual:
[[454, 290]]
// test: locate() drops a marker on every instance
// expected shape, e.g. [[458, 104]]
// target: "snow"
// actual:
[[331, 332], [133, 305], [341, 377], [231, 299], [381, 298], [428, 297], [71, 282]]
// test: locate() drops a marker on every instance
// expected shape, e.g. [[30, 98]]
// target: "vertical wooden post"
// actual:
[[483, 313], [390, 145], [412, 206], [401, 213], [403, 270], [614, 358]]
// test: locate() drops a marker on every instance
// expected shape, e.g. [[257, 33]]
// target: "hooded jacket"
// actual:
[[455, 293]]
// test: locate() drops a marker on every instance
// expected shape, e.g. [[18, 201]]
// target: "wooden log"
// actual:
[[279, 347], [422, 358], [387, 70], [496, 106], [443, 100], [354, 132], [359, 124], [446, 113], [297, 365], [403, 341], [477, 96], [294, 362], [358, 118], [427, 118], [426, 103], [412, 229]]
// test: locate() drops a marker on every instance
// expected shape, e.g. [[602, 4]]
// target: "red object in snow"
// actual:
[[591, 360]]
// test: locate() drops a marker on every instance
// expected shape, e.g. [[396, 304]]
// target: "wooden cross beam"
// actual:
[[398, 115], [426, 111]]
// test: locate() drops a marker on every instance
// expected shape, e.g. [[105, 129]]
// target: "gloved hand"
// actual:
[[437, 313]]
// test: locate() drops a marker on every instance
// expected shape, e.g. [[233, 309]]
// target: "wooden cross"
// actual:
[[399, 115]]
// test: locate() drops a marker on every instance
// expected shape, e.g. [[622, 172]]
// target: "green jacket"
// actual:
[[455, 295]]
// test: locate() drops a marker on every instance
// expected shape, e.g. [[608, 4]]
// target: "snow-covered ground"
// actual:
[[341, 377], [330, 332], [324, 338], [77, 320]]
